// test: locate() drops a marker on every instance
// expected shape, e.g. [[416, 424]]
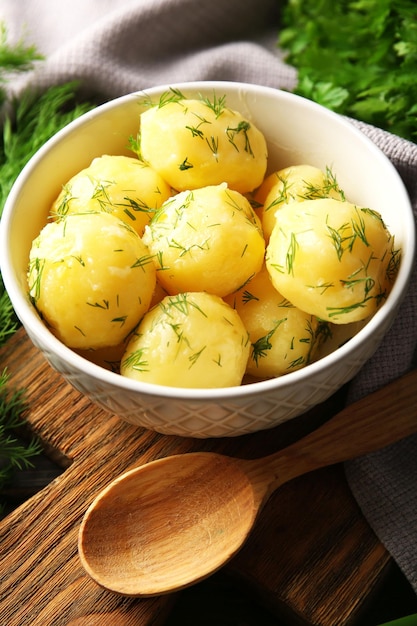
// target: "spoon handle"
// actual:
[[379, 419]]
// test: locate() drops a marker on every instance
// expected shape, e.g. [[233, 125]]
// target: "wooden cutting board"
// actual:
[[312, 557]]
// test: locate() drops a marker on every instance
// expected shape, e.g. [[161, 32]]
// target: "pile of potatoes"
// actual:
[[188, 265]]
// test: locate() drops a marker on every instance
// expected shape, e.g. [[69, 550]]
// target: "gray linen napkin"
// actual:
[[115, 48]]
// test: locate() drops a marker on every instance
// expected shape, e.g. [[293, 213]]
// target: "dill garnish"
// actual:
[[217, 105], [136, 361], [241, 128], [98, 305], [120, 320], [194, 357], [291, 252], [213, 144], [143, 261], [185, 165], [261, 346], [247, 296]]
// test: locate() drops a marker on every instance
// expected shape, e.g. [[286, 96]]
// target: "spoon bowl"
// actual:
[[170, 523], [182, 500]]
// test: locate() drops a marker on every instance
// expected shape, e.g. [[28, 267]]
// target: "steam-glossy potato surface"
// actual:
[[208, 239], [195, 143], [293, 184], [283, 338], [91, 279], [331, 258], [190, 340], [123, 186]]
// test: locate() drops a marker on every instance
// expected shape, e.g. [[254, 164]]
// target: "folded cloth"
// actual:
[[116, 48], [113, 50], [385, 483]]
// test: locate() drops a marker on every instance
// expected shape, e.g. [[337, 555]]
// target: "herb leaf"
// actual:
[[356, 57]]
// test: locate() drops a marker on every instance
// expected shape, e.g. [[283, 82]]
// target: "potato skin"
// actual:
[[208, 239], [331, 259], [123, 186], [193, 143], [192, 340], [283, 338], [91, 279]]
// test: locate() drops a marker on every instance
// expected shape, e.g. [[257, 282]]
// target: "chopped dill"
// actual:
[[168, 97], [242, 128], [120, 320], [193, 358], [329, 186], [217, 105], [261, 346], [105, 305], [185, 165], [282, 196], [393, 264], [182, 303], [136, 361], [143, 261], [213, 144], [291, 252], [218, 361], [36, 267], [247, 296], [358, 227]]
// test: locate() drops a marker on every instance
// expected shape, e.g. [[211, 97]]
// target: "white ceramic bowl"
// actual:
[[298, 131]]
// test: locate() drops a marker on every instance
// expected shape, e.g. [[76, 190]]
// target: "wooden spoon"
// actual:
[[172, 522]]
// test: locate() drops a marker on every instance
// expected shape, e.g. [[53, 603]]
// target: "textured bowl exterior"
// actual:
[[265, 406], [298, 131]]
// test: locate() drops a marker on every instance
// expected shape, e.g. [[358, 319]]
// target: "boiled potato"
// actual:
[[293, 184], [91, 279], [283, 337], [189, 340], [108, 357], [331, 259], [123, 186], [208, 239], [196, 143]]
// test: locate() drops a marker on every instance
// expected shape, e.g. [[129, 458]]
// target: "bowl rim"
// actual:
[[41, 335]]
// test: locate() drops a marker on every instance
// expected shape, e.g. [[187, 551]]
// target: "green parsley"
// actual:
[[356, 57]]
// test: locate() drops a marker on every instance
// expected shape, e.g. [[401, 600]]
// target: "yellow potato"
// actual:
[[208, 239], [91, 278], [121, 185], [331, 259], [108, 357], [196, 143], [293, 184], [283, 337], [190, 340]]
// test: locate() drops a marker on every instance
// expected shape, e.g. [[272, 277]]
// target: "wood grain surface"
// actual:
[[311, 558]]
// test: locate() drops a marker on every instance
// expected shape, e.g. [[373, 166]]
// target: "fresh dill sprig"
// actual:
[[14, 454], [33, 119], [28, 123], [8, 320], [14, 58]]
